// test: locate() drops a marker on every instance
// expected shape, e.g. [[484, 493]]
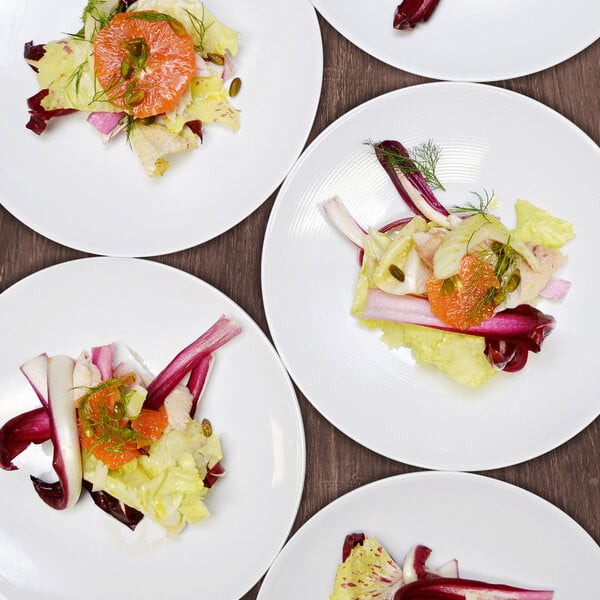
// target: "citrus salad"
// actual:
[[456, 286], [368, 571], [157, 70], [130, 439]]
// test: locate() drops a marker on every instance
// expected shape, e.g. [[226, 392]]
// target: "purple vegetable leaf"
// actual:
[[115, 508], [216, 336], [447, 588], [411, 12], [39, 116], [32, 427]]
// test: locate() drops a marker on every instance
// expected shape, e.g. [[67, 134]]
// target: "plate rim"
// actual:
[[392, 481], [97, 246], [291, 400], [440, 75], [478, 87]]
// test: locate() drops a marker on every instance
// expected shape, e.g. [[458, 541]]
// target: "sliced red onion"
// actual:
[[198, 376], [32, 427], [125, 370], [344, 222], [448, 588], [105, 122], [102, 357], [524, 325], [223, 330], [228, 69], [555, 289], [36, 373], [65, 439], [414, 563], [411, 12]]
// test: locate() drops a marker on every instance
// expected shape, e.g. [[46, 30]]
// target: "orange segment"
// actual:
[[144, 65], [467, 298], [103, 428], [150, 424], [115, 459]]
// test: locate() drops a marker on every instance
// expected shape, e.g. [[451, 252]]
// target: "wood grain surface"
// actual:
[[568, 476]]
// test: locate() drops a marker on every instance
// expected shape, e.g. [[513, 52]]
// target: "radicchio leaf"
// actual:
[[411, 12], [216, 336], [39, 116], [196, 127], [350, 541], [404, 175], [127, 515], [448, 588], [33, 52], [32, 427], [213, 474]]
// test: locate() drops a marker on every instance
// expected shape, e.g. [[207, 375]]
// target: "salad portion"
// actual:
[[369, 571], [130, 439], [156, 70], [457, 286]]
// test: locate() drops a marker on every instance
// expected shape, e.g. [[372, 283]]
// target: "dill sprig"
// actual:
[[199, 27], [152, 16], [484, 202], [107, 426], [422, 158], [93, 11], [77, 75]]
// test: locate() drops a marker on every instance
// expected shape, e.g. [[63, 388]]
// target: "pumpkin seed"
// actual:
[[217, 59], [177, 27], [125, 68], [234, 87], [135, 97], [206, 428], [396, 272]]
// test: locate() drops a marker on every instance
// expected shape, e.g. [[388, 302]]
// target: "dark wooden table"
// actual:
[[569, 476]]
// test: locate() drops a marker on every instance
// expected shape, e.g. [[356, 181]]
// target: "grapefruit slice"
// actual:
[[144, 61], [466, 299]]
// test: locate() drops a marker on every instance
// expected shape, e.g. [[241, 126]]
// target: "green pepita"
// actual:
[[234, 87], [206, 428], [396, 272], [136, 97], [125, 68], [177, 27], [217, 59]]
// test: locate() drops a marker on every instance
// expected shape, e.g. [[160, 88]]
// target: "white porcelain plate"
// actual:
[[470, 40], [70, 187], [156, 311], [497, 532], [491, 140]]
